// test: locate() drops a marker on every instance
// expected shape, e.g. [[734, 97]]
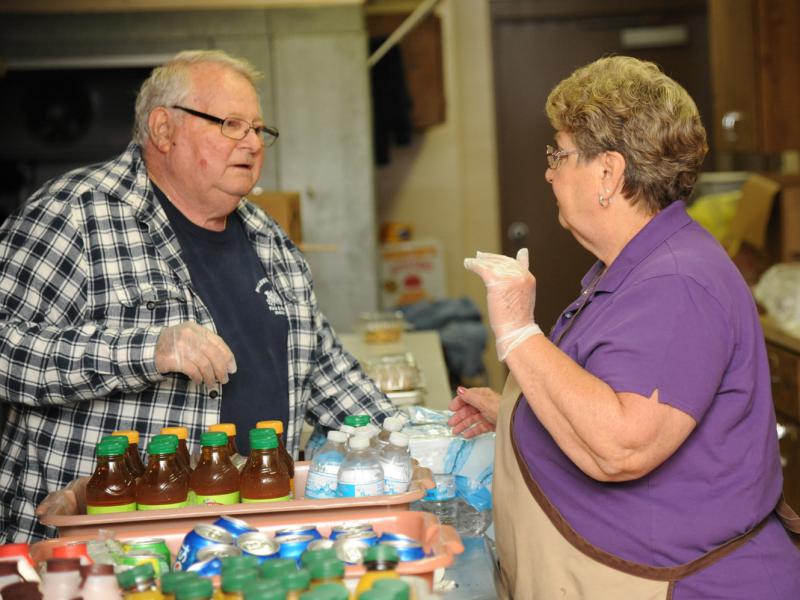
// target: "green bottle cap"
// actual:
[[397, 589], [357, 420], [239, 562], [213, 438], [382, 553], [111, 447], [161, 446], [263, 439], [332, 591], [265, 589], [171, 437], [114, 438], [196, 588], [138, 574], [277, 568], [311, 556], [236, 579], [170, 581], [374, 594], [327, 568], [296, 581]]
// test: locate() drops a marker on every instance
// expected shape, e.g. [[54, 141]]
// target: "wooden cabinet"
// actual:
[[783, 352], [755, 71]]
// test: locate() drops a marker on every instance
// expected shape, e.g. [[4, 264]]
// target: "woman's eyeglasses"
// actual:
[[554, 155]]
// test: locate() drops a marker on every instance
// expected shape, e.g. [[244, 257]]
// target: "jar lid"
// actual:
[[263, 439], [213, 438]]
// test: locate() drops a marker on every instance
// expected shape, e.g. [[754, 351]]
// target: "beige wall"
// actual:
[[445, 183]]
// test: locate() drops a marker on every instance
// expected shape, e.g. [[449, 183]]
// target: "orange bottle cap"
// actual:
[[276, 425], [228, 428], [133, 436], [181, 432]]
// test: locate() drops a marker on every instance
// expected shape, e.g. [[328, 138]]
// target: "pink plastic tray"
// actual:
[[86, 526], [441, 542]]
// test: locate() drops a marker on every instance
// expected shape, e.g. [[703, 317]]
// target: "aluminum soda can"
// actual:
[[258, 544], [350, 549], [156, 545], [292, 546], [234, 526], [346, 529], [406, 551], [389, 536], [140, 557], [201, 536], [370, 537], [321, 544], [298, 530], [209, 561], [206, 568]]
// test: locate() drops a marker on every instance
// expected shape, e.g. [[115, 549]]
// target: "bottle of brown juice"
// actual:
[[264, 476], [164, 484], [215, 480], [183, 449], [132, 457], [287, 459], [112, 487]]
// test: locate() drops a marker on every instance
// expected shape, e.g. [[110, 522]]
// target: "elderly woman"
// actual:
[[637, 454]]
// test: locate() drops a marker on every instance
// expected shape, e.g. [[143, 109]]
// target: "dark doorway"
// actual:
[[535, 45]]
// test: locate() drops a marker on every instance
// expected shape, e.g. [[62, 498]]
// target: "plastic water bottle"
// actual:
[[471, 521], [324, 470], [396, 463], [390, 425], [361, 473], [441, 500]]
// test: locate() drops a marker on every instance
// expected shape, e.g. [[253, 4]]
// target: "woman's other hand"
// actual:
[[475, 411]]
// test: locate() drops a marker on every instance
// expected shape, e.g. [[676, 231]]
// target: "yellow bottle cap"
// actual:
[[276, 425], [181, 432], [228, 428], [133, 436]]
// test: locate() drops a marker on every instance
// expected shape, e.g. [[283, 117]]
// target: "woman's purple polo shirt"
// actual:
[[673, 313]]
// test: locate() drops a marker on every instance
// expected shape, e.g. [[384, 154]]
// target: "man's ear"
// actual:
[[161, 128], [613, 172]]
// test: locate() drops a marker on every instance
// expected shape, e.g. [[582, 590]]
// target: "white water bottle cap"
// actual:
[[359, 442], [392, 424], [338, 437], [398, 439]]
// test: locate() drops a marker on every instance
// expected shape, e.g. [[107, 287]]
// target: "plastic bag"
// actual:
[[778, 291]]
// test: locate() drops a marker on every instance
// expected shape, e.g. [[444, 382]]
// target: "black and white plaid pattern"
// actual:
[[90, 272]]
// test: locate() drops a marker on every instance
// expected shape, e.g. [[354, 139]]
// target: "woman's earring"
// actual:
[[602, 200]]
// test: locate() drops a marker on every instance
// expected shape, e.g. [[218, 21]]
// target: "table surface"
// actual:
[[425, 346]]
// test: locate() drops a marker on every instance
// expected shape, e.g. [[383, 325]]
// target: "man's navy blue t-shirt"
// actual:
[[232, 283]]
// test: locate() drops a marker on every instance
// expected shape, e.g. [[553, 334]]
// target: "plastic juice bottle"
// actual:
[[276, 568], [265, 589], [183, 448], [164, 484], [229, 429], [277, 426], [173, 580], [141, 578], [381, 562], [8, 574], [214, 479], [100, 583], [264, 476], [111, 487], [62, 579], [397, 589], [135, 464], [296, 582], [326, 570], [329, 591], [198, 588], [234, 581]]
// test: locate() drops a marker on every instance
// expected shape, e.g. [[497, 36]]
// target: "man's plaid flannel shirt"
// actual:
[[90, 272]]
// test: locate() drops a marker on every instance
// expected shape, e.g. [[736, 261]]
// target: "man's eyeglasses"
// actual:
[[236, 129], [554, 155]]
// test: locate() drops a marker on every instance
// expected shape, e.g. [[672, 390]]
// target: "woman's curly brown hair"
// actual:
[[630, 106]]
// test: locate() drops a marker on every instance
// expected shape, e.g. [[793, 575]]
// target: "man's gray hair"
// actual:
[[170, 84]]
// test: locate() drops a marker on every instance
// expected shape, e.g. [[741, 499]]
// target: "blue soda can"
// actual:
[[389, 536], [209, 561], [292, 546], [235, 527], [201, 536], [370, 538], [348, 529], [298, 530], [258, 544], [406, 551]]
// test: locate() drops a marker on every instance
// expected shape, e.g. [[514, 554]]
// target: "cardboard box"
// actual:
[[410, 272], [284, 207]]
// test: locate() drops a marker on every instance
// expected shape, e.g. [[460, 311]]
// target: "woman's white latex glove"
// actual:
[[510, 295], [195, 351], [474, 411]]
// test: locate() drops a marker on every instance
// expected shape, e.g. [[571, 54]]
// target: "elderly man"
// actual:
[[147, 292]]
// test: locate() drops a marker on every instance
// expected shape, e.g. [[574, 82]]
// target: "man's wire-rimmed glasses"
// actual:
[[554, 155], [236, 129]]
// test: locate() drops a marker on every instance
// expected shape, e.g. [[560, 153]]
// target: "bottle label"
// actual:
[[231, 498], [397, 477], [321, 484], [360, 490], [183, 504], [102, 510], [281, 499]]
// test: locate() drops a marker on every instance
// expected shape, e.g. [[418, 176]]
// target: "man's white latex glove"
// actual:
[[71, 500], [510, 295], [195, 351]]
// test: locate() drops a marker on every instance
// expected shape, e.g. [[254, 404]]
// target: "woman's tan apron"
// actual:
[[542, 558]]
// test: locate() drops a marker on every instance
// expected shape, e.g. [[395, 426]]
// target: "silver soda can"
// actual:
[[370, 537], [345, 529], [258, 544], [321, 544], [351, 549], [209, 561], [201, 536]]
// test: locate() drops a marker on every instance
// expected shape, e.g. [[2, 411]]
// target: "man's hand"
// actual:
[[475, 411], [195, 351], [69, 501]]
